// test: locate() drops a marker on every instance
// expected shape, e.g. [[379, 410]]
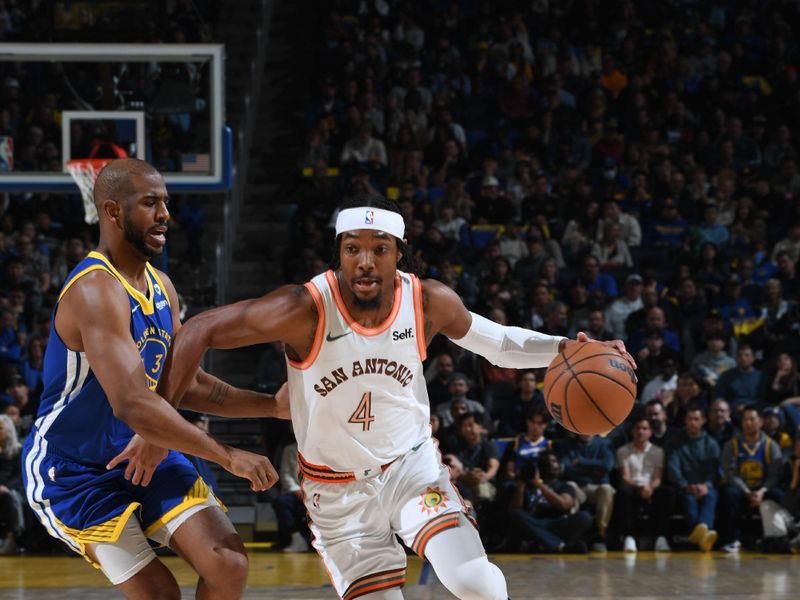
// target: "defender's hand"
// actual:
[[142, 457], [253, 467]]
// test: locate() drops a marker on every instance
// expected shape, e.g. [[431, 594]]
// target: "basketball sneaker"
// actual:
[[709, 539], [662, 545], [629, 545], [698, 532], [732, 547]]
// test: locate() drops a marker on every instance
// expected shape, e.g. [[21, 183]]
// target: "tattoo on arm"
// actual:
[[219, 393]]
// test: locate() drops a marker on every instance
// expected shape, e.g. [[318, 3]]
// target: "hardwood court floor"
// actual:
[[677, 576]]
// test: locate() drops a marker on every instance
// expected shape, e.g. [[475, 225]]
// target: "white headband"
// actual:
[[371, 218]]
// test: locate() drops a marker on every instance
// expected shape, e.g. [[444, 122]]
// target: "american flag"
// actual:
[[195, 163]]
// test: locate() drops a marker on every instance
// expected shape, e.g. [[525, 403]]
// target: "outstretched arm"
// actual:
[[287, 314], [103, 332], [511, 347], [210, 395]]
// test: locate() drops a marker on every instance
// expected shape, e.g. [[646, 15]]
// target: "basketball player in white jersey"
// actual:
[[355, 340]]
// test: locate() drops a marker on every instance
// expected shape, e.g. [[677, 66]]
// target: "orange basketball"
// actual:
[[589, 388]]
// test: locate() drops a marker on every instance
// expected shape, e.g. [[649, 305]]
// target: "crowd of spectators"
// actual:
[[621, 168]]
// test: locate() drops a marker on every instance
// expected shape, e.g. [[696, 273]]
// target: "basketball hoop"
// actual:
[[84, 171]]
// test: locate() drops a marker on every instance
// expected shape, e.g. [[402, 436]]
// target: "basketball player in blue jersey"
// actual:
[[355, 340], [112, 329]]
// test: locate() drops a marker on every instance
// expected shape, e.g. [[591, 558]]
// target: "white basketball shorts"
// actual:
[[354, 520]]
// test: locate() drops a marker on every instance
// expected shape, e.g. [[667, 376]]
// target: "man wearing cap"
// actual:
[[355, 339], [493, 206]]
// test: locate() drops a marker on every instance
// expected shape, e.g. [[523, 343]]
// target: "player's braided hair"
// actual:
[[407, 263]]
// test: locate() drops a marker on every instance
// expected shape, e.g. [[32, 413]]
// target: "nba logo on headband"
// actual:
[[366, 217]]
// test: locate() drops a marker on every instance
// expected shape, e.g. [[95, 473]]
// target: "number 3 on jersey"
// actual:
[[363, 414]]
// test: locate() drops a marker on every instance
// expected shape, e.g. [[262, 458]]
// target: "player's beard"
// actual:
[[371, 304], [136, 238]]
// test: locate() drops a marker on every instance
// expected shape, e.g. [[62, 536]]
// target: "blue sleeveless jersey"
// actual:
[[752, 461], [75, 417], [528, 451]]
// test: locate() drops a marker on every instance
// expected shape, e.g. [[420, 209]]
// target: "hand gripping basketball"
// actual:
[[590, 387]]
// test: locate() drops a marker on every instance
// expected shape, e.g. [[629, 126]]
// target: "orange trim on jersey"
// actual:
[[419, 318], [431, 528], [323, 474], [316, 345], [352, 323], [375, 582]]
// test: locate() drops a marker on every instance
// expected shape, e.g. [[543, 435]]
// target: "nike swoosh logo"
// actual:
[[135, 308], [333, 338]]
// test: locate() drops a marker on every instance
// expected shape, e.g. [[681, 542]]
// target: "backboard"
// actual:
[[163, 103]]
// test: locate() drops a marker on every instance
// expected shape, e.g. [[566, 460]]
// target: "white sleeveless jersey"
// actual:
[[359, 399]]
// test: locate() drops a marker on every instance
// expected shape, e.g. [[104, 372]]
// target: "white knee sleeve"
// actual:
[[477, 579], [460, 563]]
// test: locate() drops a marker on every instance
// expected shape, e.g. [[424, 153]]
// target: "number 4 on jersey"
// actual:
[[363, 414]]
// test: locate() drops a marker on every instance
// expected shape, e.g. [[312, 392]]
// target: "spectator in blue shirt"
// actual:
[[711, 230], [654, 319], [542, 509], [588, 462], [600, 285], [669, 230], [734, 307], [693, 466], [32, 365], [10, 349], [743, 384]]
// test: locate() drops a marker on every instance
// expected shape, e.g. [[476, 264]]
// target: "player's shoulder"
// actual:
[[94, 291], [292, 296], [436, 290], [433, 286], [299, 292]]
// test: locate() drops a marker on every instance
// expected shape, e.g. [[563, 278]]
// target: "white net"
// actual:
[[84, 172]]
